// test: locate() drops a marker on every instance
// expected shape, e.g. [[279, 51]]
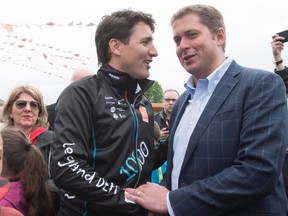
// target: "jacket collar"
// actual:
[[122, 80]]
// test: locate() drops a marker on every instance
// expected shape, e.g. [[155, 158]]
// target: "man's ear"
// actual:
[[115, 46], [221, 37]]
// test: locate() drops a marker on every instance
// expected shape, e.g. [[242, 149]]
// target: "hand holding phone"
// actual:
[[284, 34], [164, 133]]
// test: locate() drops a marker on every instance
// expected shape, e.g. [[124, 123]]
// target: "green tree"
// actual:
[[155, 93]]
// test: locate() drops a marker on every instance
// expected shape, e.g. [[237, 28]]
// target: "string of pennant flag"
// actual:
[[43, 57], [10, 26], [7, 42]]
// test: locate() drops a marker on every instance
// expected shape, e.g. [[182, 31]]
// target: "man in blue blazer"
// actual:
[[228, 130]]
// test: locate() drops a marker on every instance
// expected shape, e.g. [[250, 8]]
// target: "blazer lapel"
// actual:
[[221, 92]]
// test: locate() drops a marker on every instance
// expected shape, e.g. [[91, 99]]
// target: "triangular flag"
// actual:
[[7, 27], [50, 24]]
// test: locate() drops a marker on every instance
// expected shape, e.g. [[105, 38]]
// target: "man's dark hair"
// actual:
[[118, 25]]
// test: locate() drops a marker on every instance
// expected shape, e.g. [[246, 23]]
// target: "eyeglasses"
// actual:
[[169, 99], [20, 104]]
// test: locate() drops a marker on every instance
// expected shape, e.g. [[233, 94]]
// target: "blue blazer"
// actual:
[[235, 155]]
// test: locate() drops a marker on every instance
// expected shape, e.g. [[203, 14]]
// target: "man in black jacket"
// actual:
[[104, 123], [163, 117]]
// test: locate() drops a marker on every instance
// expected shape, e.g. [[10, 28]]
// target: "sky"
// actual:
[[52, 38]]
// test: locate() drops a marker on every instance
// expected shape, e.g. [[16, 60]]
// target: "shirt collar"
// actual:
[[213, 78]]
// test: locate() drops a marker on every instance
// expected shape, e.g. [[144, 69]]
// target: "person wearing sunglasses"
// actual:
[[26, 111]]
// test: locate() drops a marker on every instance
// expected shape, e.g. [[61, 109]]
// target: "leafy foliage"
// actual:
[[155, 93]]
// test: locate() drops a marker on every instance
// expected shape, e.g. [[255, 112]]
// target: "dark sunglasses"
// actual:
[[20, 104]]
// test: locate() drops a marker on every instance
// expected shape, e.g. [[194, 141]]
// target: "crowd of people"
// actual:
[[216, 149]]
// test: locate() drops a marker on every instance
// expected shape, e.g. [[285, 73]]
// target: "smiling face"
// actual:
[[199, 51], [135, 56], [25, 117]]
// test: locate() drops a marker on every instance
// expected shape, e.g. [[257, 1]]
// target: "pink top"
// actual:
[[14, 197], [7, 211]]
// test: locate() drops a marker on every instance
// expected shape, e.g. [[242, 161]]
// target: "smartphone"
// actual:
[[284, 34]]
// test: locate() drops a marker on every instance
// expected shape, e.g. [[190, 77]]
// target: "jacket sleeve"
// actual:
[[69, 166]]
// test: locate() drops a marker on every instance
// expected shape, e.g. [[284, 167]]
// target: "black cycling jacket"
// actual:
[[103, 143]]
